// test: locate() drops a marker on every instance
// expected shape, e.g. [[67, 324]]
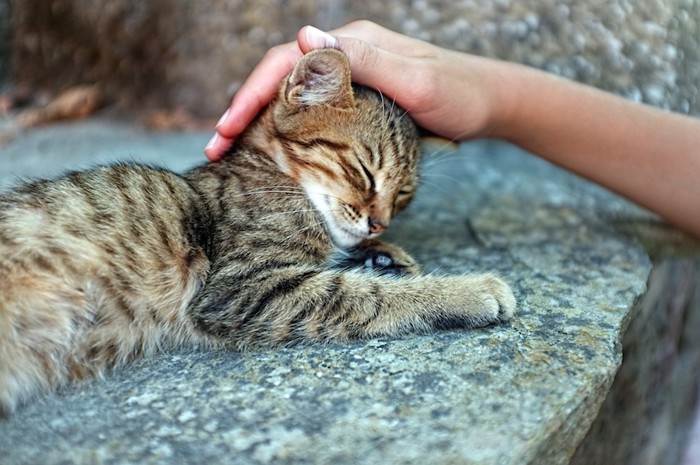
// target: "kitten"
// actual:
[[273, 245]]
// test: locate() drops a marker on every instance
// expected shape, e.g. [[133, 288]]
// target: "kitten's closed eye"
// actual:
[[369, 176]]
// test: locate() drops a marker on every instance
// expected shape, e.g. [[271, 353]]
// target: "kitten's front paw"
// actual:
[[382, 257], [388, 259], [498, 298], [471, 301]]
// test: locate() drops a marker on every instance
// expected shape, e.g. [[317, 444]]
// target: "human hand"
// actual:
[[452, 94]]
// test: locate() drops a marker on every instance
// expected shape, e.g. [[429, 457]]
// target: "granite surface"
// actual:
[[647, 415], [521, 393]]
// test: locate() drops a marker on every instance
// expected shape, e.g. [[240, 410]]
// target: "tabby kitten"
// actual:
[[275, 244]]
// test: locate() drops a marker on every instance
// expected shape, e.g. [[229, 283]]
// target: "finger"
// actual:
[[259, 89], [311, 38], [384, 38], [217, 147]]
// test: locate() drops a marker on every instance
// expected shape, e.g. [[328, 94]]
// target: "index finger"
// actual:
[[384, 38], [259, 88]]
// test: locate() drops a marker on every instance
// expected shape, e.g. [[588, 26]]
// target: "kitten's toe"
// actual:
[[379, 260], [501, 299]]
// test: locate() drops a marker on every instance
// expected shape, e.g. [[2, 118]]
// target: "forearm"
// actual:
[[648, 155]]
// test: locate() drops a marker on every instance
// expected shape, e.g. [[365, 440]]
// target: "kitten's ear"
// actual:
[[321, 77]]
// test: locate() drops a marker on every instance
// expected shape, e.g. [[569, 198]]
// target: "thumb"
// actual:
[[311, 38], [370, 66]]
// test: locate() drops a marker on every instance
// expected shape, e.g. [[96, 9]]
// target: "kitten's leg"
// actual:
[[382, 257], [309, 304], [39, 320]]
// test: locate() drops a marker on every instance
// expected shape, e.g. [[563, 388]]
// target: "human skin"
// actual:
[[646, 154]]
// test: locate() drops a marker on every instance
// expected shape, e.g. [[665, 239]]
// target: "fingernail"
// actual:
[[319, 39], [223, 118], [212, 141]]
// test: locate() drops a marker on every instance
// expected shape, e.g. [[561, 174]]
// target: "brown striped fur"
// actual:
[[273, 245]]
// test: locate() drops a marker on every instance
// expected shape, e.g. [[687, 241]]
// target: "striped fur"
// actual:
[[273, 245]]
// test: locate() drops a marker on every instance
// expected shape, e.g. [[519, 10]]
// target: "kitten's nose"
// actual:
[[377, 225]]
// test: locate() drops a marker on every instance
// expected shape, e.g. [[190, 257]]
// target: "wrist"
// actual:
[[504, 83]]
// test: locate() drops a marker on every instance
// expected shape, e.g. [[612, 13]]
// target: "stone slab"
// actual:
[[521, 393]]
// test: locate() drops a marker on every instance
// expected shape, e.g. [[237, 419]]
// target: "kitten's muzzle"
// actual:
[[377, 225]]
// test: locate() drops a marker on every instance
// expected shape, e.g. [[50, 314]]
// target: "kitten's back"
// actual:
[[114, 239]]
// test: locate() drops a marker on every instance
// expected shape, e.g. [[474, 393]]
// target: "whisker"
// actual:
[[292, 212], [402, 115], [326, 194], [301, 191], [386, 114], [311, 226], [289, 212], [428, 165], [444, 149], [272, 190], [440, 175], [336, 257], [437, 186]]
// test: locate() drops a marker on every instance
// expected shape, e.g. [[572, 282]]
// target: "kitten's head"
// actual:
[[354, 154]]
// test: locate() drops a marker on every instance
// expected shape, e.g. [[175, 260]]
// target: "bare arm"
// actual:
[[650, 156]]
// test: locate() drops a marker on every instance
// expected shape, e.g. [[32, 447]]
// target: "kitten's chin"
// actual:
[[343, 238]]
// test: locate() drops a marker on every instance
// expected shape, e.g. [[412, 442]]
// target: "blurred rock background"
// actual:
[[194, 55], [4, 39]]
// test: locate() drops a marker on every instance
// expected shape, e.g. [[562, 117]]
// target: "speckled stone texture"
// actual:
[[647, 415], [196, 54], [521, 393]]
